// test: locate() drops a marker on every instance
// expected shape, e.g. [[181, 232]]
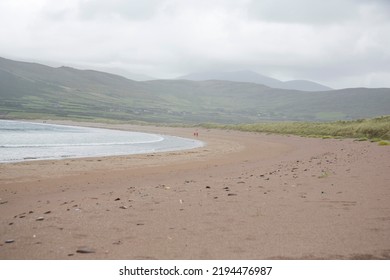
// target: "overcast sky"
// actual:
[[340, 43]]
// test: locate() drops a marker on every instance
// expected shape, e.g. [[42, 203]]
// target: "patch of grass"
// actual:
[[383, 143], [363, 129]]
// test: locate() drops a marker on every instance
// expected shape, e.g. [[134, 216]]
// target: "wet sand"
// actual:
[[242, 196]]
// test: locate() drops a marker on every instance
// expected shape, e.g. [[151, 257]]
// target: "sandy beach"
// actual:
[[242, 196]]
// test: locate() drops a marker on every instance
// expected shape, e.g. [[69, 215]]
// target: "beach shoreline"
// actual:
[[38, 140], [242, 196]]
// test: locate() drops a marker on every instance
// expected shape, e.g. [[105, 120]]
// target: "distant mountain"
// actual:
[[253, 77], [239, 76], [304, 85], [31, 90], [126, 74]]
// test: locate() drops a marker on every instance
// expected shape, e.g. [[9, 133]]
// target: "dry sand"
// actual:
[[243, 196]]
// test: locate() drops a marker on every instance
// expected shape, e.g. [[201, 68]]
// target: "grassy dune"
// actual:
[[375, 129]]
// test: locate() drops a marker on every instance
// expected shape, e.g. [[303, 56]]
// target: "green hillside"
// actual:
[[30, 90]]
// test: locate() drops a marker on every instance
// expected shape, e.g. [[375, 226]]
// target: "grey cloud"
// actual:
[[306, 11]]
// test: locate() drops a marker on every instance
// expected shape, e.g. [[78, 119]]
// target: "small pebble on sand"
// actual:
[[85, 250]]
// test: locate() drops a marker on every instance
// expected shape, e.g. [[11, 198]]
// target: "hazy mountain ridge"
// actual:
[[254, 77], [34, 90]]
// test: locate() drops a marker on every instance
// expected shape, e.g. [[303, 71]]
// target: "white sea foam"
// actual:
[[20, 141]]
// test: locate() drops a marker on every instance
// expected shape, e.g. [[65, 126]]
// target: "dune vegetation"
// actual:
[[375, 129]]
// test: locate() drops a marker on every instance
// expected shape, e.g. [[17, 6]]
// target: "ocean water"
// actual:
[[22, 141]]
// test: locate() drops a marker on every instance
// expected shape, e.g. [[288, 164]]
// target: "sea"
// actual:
[[25, 141]]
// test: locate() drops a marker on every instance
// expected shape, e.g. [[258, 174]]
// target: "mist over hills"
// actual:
[[31, 90], [253, 77]]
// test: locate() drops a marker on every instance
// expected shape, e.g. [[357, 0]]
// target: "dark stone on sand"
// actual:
[[40, 219], [207, 187], [47, 212], [8, 241], [4, 202], [232, 194], [117, 199], [85, 250]]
